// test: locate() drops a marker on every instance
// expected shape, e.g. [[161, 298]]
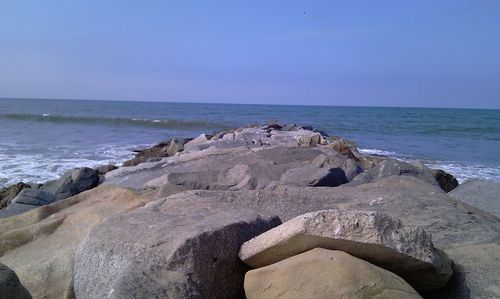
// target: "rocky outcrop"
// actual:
[[481, 194], [192, 237], [40, 245], [469, 236], [323, 274], [446, 181], [10, 286], [371, 236], [163, 149]]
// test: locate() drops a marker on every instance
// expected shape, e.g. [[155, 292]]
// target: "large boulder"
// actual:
[[40, 244], [188, 235], [73, 182], [371, 236], [10, 286], [323, 274], [482, 194], [469, 236]]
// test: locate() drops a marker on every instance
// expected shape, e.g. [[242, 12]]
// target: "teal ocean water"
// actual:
[[40, 139]]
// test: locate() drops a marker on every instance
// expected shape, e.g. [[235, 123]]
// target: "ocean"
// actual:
[[41, 139]]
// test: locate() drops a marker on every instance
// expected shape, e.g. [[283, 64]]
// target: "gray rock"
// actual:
[[481, 194], [389, 167], [73, 182], [152, 281], [469, 236], [372, 236], [315, 177], [26, 200], [34, 197], [176, 145], [8, 193], [10, 286], [188, 235]]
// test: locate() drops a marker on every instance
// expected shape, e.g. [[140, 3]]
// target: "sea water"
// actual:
[[40, 139]]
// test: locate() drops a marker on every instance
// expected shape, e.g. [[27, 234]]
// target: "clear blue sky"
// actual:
[[370, 53]]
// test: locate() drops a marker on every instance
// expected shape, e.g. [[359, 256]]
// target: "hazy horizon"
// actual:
[[382, 54]]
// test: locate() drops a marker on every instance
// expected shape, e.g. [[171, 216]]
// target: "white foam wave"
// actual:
[[374, 151]]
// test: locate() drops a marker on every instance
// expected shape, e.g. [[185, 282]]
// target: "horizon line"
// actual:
[[253, 104]]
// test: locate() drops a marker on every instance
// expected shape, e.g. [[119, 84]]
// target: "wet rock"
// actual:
[[26, 200], [322, 274], [446, 181], [371, 236]]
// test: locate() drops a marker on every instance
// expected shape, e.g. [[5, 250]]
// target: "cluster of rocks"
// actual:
[[21, 197], [260, 211]]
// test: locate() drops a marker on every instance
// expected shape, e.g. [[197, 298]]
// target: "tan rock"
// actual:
[[321, 273], [372, 236], [40, 245]]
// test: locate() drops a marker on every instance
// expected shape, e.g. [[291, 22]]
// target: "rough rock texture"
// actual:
[[40, 245], [103, 169], [469, 236], [324, 274], [482, 194], [389, 167], [236, 168], [26, 200], [7, 194], [371, 236], [184, 234], [152, 281], [72, 183], [10, 286], [446, 181]]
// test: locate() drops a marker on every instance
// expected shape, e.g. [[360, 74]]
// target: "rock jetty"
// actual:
[[263, 211]]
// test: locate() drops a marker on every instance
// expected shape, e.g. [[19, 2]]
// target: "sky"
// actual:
[[355, 53]]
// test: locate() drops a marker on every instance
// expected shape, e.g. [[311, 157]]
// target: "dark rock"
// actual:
[[197, 238], [446, 181], [10, 286], [157, 151], [274, 124], [7, 194], [315, 177], [73, 182], [105, 169], [344, 149]]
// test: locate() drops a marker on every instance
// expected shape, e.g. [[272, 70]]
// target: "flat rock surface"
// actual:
[[371, 236], [181, 233], [40, 245], [324, 274], [469, 236], [482, 194]]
